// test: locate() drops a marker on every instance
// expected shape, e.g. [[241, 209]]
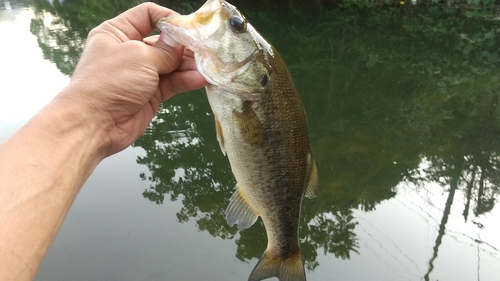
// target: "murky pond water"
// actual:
[[402, 104]]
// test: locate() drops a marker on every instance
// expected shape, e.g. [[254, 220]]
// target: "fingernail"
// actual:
[[168, 40]]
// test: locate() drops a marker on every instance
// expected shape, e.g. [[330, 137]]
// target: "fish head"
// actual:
[[229, 52]]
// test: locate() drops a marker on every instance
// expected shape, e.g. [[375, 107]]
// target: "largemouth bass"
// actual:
[[261, 126]]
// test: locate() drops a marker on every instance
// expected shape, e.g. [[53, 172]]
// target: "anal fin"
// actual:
[[312, 184], [239, 211]]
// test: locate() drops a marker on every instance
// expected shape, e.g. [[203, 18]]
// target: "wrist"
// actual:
[[72, 117]]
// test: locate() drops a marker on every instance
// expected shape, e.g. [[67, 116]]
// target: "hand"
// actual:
[[121, 78], [115, 91]]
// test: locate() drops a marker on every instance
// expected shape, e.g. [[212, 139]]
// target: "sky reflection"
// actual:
[[28, 81]]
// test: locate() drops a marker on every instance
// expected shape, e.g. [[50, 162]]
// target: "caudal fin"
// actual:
[[290, 269]]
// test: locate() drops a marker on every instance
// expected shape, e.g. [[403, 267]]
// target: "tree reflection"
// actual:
[[61, 27], [386, 90], [184, 161]]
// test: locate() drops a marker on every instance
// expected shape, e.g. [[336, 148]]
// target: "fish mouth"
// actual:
[[209, 64], [182, 30], [193, 31], [197, 26]]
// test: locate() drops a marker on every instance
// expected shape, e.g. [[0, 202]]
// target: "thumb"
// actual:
[[167, 55]]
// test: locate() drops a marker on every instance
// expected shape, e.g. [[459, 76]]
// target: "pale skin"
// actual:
[[115, 91]]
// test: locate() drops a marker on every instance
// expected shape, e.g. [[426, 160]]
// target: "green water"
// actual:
[[402, 105]]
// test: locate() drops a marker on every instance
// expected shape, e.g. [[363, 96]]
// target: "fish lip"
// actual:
[[192, 23], [163, 23], [211, 5], [208, 10], [188, 31], [169, 25]]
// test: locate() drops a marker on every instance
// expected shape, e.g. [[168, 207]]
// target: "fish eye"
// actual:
[[237, 24], [264, 79]]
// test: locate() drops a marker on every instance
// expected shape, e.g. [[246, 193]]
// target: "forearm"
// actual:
[[42, 168], [117, 88]]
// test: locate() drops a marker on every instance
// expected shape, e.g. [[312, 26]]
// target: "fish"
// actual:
[[261, 127]]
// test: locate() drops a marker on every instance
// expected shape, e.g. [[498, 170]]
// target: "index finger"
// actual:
[[139, 21]]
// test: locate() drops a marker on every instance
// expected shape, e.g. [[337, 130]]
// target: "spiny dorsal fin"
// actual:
[[312, 184], [250, 126], [220, 136], [239, 211]]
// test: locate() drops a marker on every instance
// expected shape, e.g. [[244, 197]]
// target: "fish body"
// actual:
[[261, 126]]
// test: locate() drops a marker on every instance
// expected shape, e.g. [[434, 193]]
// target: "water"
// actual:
[[403, 115]]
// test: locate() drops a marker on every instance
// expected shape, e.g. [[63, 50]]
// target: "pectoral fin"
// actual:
[[250, 126], [312, 184], [239, 211], [220, 136]]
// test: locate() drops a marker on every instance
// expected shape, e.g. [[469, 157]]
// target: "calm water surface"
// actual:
[[402, 104]]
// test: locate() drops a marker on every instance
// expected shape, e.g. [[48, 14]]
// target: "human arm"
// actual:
[[114, 93]]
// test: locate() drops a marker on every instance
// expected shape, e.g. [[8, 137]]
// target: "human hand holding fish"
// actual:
[[141, 76], [115, 91]]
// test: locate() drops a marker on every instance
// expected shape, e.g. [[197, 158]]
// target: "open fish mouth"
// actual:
[[190, 30]]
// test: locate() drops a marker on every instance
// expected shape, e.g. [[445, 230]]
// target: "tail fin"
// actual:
[[290, 269]]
